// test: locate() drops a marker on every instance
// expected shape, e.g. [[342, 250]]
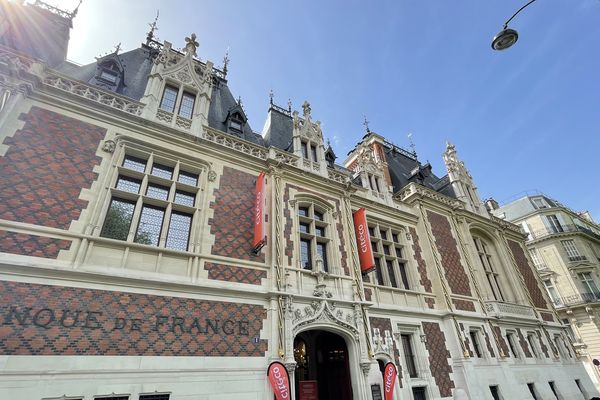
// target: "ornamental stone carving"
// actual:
[[109, 146], [212, 176], [323, 312]]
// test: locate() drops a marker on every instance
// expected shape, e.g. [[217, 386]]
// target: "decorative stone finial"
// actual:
[[76, 10], [271, 95], [306, 109], [191, 45], [290, 105], [118, 48]]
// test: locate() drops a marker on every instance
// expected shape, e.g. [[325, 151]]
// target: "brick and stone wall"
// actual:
[[56, 320], [31, 245], [46, 165], [450, 257], [385, 324], [233, 219], [502, 341], [531, 282], [524, 344], [421, 265], [438, 358], [231, 273]]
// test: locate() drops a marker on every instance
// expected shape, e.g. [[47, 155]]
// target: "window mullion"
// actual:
[[135, 220]]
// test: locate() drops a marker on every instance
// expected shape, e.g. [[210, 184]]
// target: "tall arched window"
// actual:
[[489, 261]]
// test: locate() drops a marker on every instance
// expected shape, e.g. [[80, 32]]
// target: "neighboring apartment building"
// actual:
[[565, 249], [135, 200]]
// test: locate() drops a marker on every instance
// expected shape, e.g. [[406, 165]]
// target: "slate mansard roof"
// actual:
[[135, 66]]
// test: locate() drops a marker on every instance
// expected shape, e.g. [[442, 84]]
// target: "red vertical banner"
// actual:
[[363, 241], [280, 380], [260, 237], [389, 379]]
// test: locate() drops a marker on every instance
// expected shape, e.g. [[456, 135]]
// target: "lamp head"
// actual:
[[504, 39]]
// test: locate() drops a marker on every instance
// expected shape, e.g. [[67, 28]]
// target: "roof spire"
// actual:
[[118, 48], [76, 10], [153, 28], [412, 145], [226, 61], [271, 97], [366, 124], [290, 105]]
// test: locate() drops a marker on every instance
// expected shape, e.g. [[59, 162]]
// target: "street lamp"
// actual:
[[507, 37]]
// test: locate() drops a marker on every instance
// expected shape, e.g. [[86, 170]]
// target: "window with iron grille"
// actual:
[[314, 231], [157, 198]]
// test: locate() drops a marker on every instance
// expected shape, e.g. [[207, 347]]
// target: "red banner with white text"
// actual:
[[280, 380], [389, 378], [363, 241], [259, 219]]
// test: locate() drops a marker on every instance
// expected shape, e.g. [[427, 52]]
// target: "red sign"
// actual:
[[280, 380], [308, 390], [259, 221], [363, 241], [389, 378]]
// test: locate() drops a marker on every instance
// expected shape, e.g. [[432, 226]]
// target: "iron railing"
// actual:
[[575, 299], [563, 229]]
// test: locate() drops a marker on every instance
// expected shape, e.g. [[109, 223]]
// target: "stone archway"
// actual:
[[322, 366]]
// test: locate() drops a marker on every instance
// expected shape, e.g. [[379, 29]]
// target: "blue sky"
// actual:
[[524, 119]]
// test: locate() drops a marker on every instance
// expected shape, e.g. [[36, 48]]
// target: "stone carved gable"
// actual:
[[323, 312], [184, 68], [453, 164], [367, 162], [305, 128]]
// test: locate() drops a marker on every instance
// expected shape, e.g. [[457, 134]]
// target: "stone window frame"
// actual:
[[537, 258], [588, 283], [550, 285], [417, 341], [571, 250], [532, 340], [314, 204], [514, 346], [560, 344], [489, 260], [476, 343], [394, 241], [181, 90], [140, 200]]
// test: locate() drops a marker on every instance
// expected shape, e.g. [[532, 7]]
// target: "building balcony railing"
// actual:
[[504, 310], [576, 299], [563, 229]]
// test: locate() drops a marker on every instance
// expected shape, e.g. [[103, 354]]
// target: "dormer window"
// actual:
[[109, 76], [309, 151], [171, 99], [235, 123], [539, 202]]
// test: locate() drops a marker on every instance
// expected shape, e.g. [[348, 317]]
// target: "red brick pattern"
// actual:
[[430, 302], [385, 324], [421, 265], [524, 344], [488, 344], [289, 223], [547, 317], [56, 320], [233, 218], [528, 274], [502, 340], [448, 249], [542, 345], [47, 164], [230, 273], [31, 245], [463, 305], [438, 357]]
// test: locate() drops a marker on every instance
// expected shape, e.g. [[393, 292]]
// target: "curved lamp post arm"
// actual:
[[515, 14], [507, 37]]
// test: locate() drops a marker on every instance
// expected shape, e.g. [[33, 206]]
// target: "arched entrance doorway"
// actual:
[[322, 361]]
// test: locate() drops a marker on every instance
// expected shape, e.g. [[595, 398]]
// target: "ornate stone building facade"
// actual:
[[127, 267], [565, 249]]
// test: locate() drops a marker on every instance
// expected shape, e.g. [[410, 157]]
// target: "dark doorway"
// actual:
[[322, 356]]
